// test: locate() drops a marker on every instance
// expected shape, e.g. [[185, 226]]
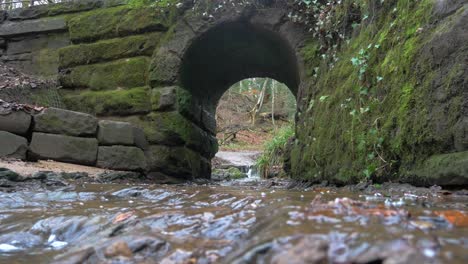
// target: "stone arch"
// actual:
[[205, 56], [231, 52]]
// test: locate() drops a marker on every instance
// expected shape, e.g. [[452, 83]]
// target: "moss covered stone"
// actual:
[[117, 22], [108, 103], [446, 169], [124, 73], [171, 128], [179, 162], [107, 50], [392, 109]]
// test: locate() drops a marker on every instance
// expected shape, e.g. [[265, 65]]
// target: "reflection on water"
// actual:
[[237, 222]]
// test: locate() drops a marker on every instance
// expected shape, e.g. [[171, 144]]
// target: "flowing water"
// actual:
[[231, 222]]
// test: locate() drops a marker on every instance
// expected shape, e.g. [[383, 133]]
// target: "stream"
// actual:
[[55, 220]]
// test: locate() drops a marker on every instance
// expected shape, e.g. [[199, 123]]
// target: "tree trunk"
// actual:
[[273, 91], [258, 106]]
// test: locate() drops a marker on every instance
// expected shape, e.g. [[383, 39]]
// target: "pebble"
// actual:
[[8, 248]]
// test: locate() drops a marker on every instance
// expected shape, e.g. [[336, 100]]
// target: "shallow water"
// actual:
[[232, 222]]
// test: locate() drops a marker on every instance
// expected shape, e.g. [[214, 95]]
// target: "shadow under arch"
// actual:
[[233, 51]]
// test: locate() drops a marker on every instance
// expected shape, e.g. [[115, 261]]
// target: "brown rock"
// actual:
[[119, 248]]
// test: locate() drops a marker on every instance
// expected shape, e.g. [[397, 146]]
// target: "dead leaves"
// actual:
[[121, 217], [456, 218]]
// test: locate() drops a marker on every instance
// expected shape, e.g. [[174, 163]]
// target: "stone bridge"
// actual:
[[165, 68], [162, 69]]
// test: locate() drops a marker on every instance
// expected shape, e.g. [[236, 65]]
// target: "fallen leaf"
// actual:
[[456, 218], [122, 217]]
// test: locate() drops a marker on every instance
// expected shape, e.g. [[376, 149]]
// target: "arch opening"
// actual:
[[251, 112], [234, 51]]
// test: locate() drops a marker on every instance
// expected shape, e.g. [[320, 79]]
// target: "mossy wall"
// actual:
[[386, 101]]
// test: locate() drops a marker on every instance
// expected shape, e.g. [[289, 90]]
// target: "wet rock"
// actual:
[[10, 175], [445, 170], [12, 146], [121, 158], [119, 248], [308, 250], [17, 122], [64, 148], [232, 173], [21, 240], [60, 121], [398, 251], [110, 176], [74, 175], [115, 133], [77, 257], [161, 178], [152, 245]]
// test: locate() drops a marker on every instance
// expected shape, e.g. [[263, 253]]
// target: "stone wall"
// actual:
[[73, 137], [163, 69], [100, 52]]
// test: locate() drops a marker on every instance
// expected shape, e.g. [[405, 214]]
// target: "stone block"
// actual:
[[13, 146], [164, 67], [109, 103], [108, 50], [444, 169], [54, 24], [163, 99], [208, 121], [64, 148], [169, 160], [179, 162], [27, 44], [124, 73], [116, 22], [121, 158], [139, 138], [16, 122], [115, 133], [60, 121]]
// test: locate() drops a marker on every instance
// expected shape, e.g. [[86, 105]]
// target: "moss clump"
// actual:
[[235, 174], [171, 128], [107, 50], [124, 73], [117, 22], [367, 114], [446, 169], [107, 103]]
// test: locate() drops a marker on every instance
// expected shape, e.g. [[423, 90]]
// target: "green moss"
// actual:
[[108, 50], [372, 121], [446, 169], [107, 103], [45, 62], [124, 73], [117, 22]]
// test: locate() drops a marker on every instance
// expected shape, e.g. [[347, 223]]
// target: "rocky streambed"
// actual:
[[71, 218]]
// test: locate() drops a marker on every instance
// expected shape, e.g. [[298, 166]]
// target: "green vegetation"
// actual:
[[364, 117], [275, 150], [157, 3], [107, 50], [107, 103], [118, 22], [124, 73]]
